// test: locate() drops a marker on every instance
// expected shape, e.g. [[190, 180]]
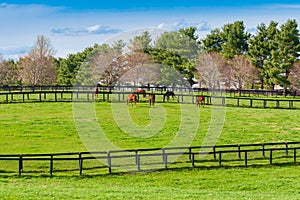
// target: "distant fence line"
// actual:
[[119, 96], [230, 92], [242, 151]]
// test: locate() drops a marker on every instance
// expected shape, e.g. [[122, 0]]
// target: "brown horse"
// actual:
[[151, 99], [168, 94], [131, 98], [140, 91], [200, 101]]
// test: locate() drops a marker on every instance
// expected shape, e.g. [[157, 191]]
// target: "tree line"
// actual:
[[228, 56]]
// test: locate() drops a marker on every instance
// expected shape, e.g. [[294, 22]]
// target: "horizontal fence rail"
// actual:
[[120, 96], [196, 156], [230, 92]]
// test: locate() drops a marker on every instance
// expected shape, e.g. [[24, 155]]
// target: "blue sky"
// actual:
[[74, 25]]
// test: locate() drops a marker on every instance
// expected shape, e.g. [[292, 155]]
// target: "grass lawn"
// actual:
[[50, 128], [274, 182]]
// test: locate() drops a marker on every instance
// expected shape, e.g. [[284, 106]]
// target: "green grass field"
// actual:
[[50, 128]]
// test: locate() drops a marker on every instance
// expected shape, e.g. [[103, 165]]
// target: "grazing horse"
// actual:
[[151, 99], [168, 94], [139, 92], [200, 101], [131, 98]]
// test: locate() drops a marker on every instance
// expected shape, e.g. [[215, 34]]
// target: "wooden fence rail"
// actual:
[[88, 96], [230, 92], [162, 154]]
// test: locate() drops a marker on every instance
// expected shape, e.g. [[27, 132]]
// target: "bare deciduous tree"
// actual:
[[294, 76], [38, 68], [208, 67], [239, 72]]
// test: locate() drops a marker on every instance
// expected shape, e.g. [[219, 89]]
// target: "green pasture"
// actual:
[[276, 182], [38, 127], [50, 128]]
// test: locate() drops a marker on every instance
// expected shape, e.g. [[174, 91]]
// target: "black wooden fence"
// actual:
[[120, 96], [229, 92], [242, 152]]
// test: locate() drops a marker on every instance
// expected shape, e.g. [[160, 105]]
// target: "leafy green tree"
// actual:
[[105, 64], [213, 41], [9, 74], [274, 51], [68, 67], [190, 32], [235, 39], [289, 50], [230, 40], [141, 42], [261, 48], [178, 50]]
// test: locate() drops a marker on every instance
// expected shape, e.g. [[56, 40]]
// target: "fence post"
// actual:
[[263, 150], [165, 158], [220, 159], [109, 162], [290, 104], [51, 164], [239, 151], [193, 160], [246, 157], [286, 149], [20, 164], [251, 100], [137, 157], [215, 156], [190, 153], [80, 163], [295, 156], [277, 103], [271, 155]]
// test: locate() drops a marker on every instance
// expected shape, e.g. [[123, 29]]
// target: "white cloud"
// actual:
[[91, 30], [181, 23]]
